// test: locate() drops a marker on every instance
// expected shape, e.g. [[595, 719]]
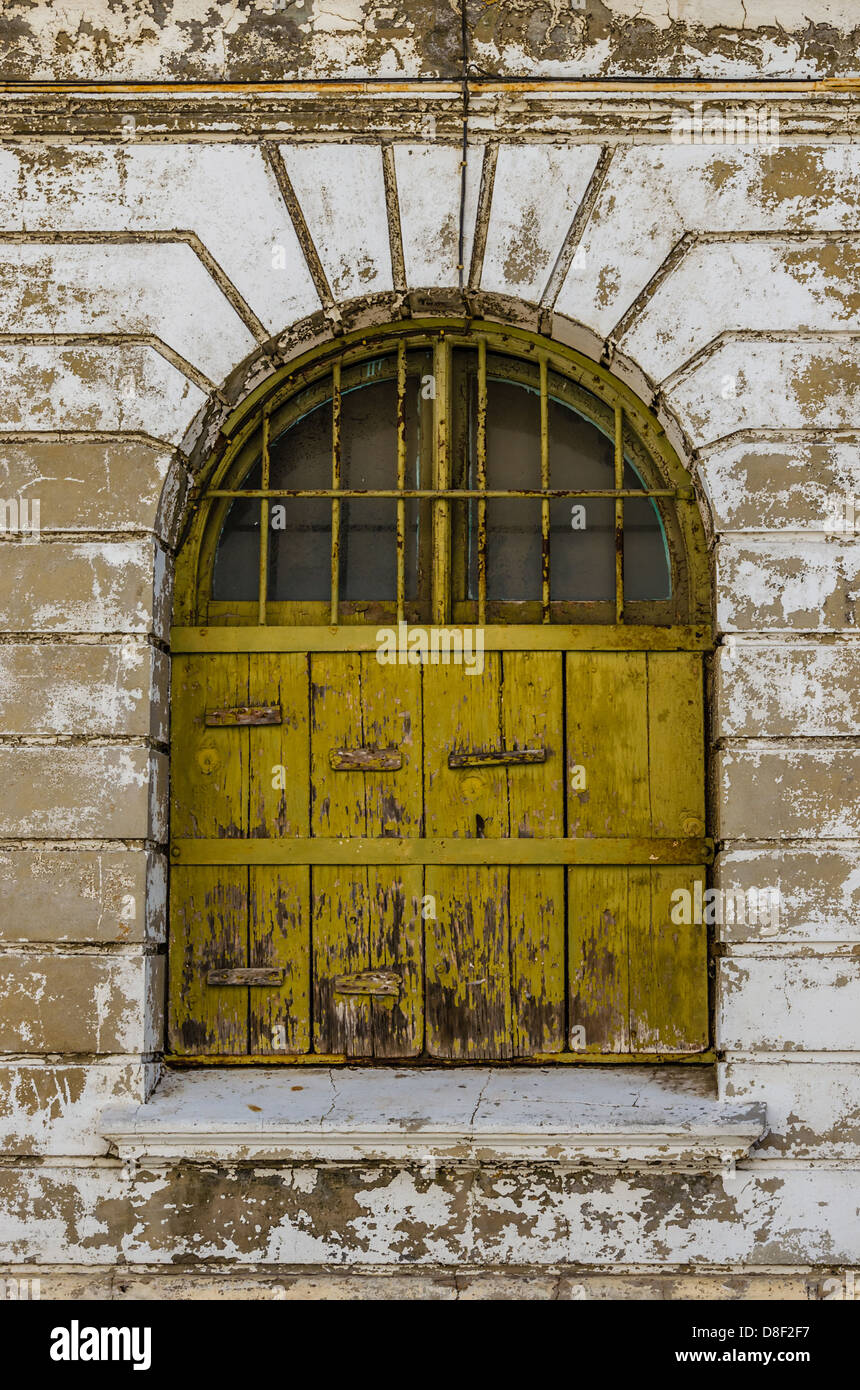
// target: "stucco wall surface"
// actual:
[[160, 254]]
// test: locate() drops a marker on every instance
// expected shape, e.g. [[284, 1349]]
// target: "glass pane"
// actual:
[[236, 573], [582, 530], [647, 572], [300, 528], [368, 550], [513, 526]]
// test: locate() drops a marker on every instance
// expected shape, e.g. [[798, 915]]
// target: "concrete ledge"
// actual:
[[623, 1117]]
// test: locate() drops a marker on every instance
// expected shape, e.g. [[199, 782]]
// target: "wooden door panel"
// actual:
[[397, 944], [468, 964], [533, 717], [537, 930], [676, 743], [210, 779], [638, 982], [208, 905], [209, 920], [279, 804], [366, 919], [598, 966], [668, 971], [280, 938], [607, 736]]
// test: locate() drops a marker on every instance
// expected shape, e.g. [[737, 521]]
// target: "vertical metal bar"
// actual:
[[264, 530], [544, 482], [441, 479], [401, 481], [482, 480], [619, 515], [335, 483]]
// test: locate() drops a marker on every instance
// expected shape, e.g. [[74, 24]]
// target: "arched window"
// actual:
[[438, 781]]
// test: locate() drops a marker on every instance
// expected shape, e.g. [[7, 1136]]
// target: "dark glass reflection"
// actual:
[[582, 556], [582, 530], [236, 572]]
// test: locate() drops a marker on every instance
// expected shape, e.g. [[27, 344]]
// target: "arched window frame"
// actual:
[[608, 402]]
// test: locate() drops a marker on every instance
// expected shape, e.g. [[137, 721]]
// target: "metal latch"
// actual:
[[497, 757], [242, 715], [384, 982], [365, 759], [253, 975]]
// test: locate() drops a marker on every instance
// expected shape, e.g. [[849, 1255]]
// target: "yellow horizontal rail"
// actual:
[[497, 637], [536, 1059], [357, 850]]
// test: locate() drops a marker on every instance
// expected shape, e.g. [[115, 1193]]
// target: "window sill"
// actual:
[[623, 1117]]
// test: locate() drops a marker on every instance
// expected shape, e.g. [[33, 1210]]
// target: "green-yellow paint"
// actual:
[[525, 909]]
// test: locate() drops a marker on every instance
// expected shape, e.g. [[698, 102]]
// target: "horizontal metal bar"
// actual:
[[451, 494], [241, 975], [363, 637], [365, 759], [243, 714], [497, 757], [360, 851]]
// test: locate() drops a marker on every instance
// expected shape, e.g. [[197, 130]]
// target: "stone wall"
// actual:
[[160, 252]]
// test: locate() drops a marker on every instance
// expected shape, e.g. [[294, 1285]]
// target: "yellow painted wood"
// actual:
[[236, 630], [279, 935], [392, 718], [209, 931], [598, 960], [208, 905], [276, 811], [668, 967], [540, 1059], [607, 736], [328, 871], [366, 917], [467, 944], [438, 851], [676, 738], [532, 717]]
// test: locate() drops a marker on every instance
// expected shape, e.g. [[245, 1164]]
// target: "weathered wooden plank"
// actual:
[[668, 965], [340, 930], [391, 850], [607, 744], [279, 755], [676, 743], [209, 776], [532, 714], [340, 935], [468, 964], [394, 805], [245, 636], [209, 904], [468, 943], [279, 937], [598, 960], [208, 918]]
